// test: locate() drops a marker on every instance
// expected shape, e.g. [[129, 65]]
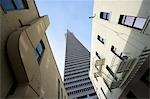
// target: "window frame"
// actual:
[[101, 39], [37, 51], [107, 16], [14, 4], [123, 23], [111, 72]]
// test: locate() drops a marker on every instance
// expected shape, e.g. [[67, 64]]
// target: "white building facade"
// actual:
[[120, 48]]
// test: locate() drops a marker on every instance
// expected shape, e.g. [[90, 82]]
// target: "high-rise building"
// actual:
[[120, 61], [77, 65], [27, 66]]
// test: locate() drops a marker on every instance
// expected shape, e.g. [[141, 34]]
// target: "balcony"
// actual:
[[121, 72]]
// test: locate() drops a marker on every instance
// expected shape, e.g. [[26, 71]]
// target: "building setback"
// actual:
[[27, 66], [120, 61], [76, 76]]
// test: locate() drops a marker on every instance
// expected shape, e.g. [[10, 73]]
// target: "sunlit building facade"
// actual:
[[120, 61], [27, 66], [77, 65]]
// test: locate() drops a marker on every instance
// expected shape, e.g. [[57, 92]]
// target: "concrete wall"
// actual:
[[21, 74], [125, 39]]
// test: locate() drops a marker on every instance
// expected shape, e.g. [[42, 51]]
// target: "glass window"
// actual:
[[19, 4], [129, 20], [139, 23], [8, 5], [39, 50], [14, 4], [104, 15]]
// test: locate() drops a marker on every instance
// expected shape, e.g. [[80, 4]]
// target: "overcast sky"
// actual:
[[63, 15]]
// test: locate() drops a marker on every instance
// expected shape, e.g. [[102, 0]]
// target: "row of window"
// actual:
[[76, 61], [84, 65], [75, 69], [85, 96], [14, 4], [69, 65], [76, 73], [79, 91], [79, 85], [66, 77], [129, 21], [76, 77], [76, 81], [76, 57]]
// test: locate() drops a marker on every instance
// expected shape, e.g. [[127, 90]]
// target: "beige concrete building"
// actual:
[[27, 65], [120, 64]]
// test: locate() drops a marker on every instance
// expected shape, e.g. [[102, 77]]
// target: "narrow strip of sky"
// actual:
[[63, 15]]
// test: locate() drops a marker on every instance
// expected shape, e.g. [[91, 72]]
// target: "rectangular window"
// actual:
[[105, 81], [14, 4], [39, 50], [61, 93], [104, 15], [58, 89], [98, 55], [101, 39], [111, 72], [103, 93], [118, 53], [131, 21]]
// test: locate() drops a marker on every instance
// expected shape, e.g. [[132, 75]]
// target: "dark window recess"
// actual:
[[111, 72], [81, 97], [14, 4], [62, 93], [131, 21], [98, 55], [119, 54], [146, 78], [107, 84], [104, 15], [100, 39], [39, 50], [93, 94], [58, 89], [103, 93], [130, 95]]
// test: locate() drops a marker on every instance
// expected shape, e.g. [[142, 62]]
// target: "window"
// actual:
[[105, 81], [130, 95], [39, 50], [61, 93], [131, 21], [111, 72], [14, 4], [58, 89], [98, 55], [92, 94], [100, 39], [104, 15], [103, 93], [120, 54]]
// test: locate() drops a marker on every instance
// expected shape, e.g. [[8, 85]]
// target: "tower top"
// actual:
[[68, 31]]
